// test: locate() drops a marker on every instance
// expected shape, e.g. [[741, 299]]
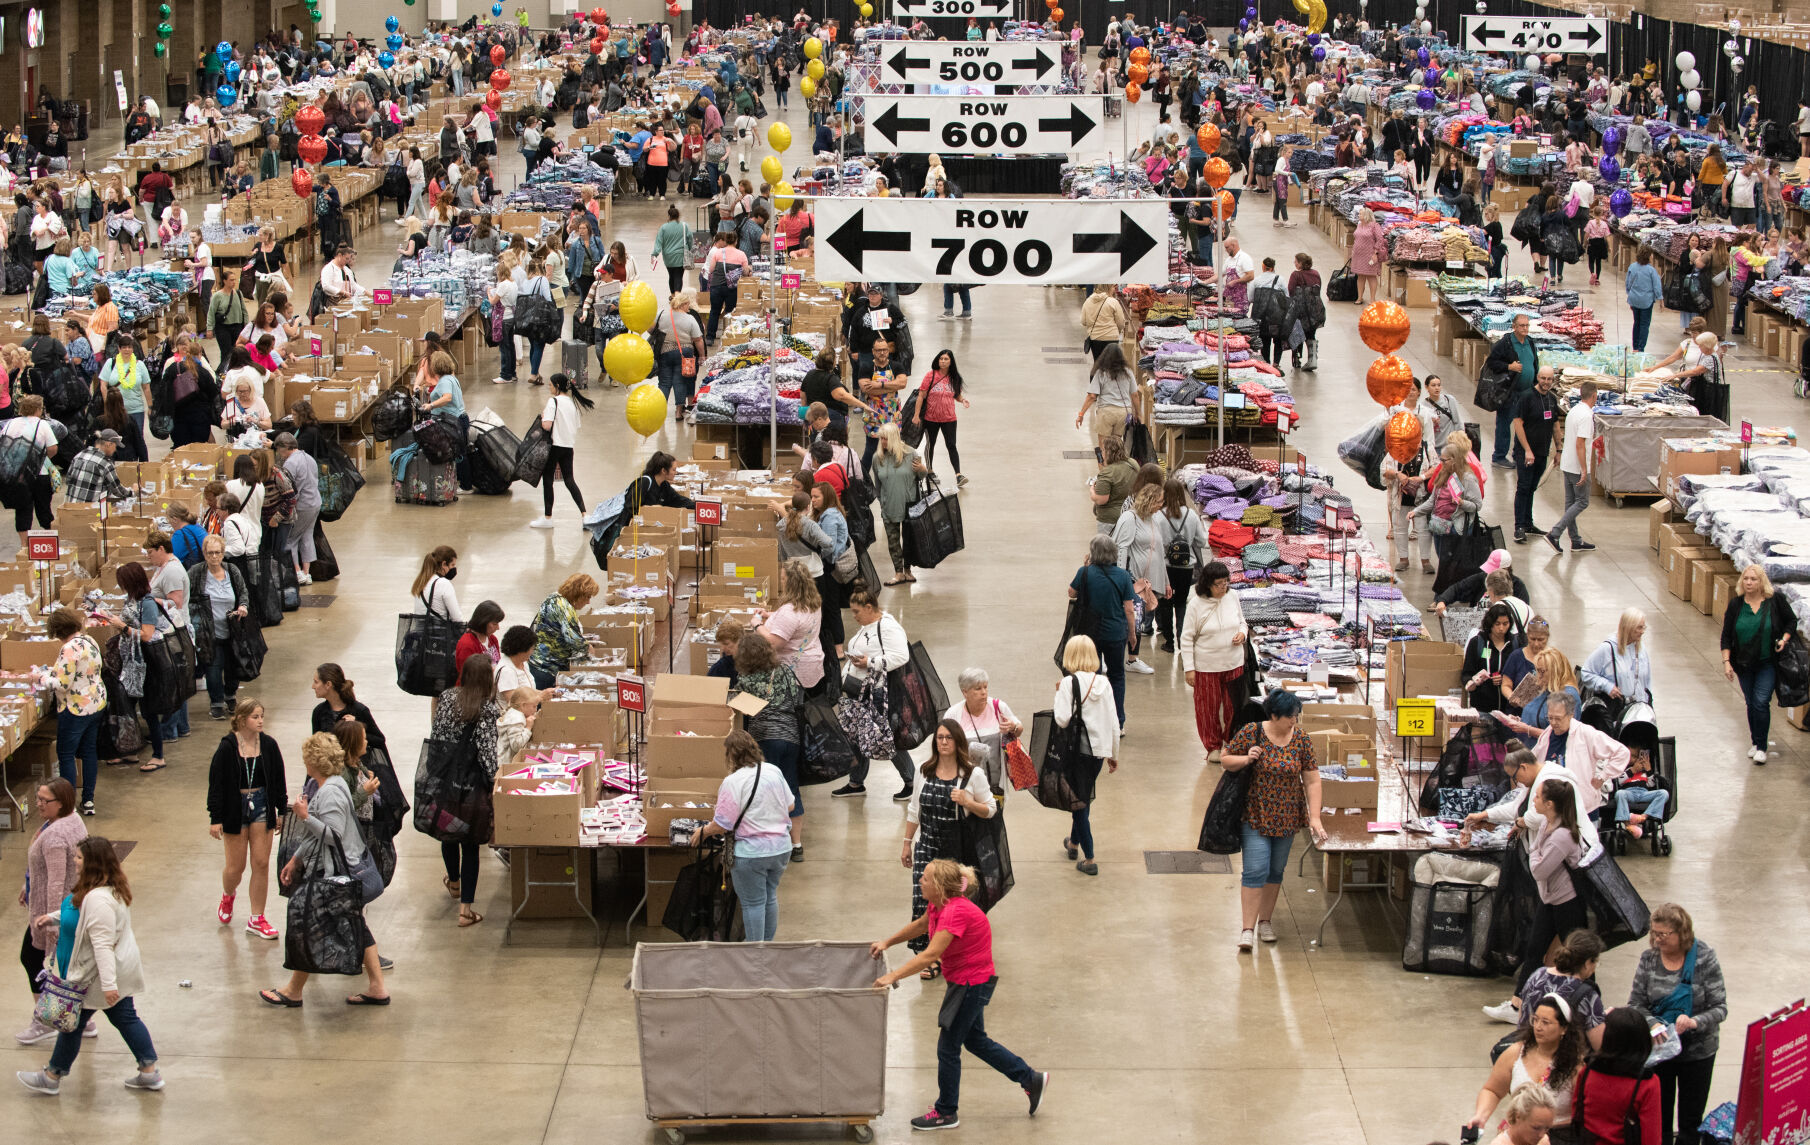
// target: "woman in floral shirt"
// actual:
[[1284, 797], [558, 639], [81, 698]]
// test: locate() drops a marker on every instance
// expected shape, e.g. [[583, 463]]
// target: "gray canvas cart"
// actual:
[[733, 1033]]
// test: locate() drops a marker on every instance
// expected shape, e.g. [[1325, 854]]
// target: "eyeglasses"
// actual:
[[1657, 933]]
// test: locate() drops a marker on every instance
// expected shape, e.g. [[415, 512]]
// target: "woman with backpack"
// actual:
[[29, 486], [1183, 541]]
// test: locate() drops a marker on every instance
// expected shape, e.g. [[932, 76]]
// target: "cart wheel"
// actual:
[[675, 1137], [1665, 846], [864, 1133], [1615, 499]]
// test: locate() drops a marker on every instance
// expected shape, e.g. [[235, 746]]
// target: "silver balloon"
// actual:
[[1426, 27], [1737, 64], [1734, 26], [1482, 7], [1729, 48]]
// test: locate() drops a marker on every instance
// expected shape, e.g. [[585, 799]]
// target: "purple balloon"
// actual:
[[1313, 39], [1432, 77], [1319, 54], [1621, 202], [1243, 25], [1250, 13], [1426, 99], [1609, 168], [1423, 55], [1611, 140]]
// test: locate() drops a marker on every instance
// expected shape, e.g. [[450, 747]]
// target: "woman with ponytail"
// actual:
[[962, 940]]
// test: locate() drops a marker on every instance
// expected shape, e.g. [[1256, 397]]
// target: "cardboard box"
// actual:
[[1417, 293], [1360, 788], [747, 558], [720, 592], [1722, 590], [19, 651], [1678, 568], [663, 801], [526, 820], [1703, 575], [1797, 717], [550, 865], [1674, 535], [1681, 456], [577, 721], [1661, 514], [1421, 668]]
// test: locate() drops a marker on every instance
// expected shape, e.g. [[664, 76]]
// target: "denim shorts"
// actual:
[[253, 805], [1265, 857]]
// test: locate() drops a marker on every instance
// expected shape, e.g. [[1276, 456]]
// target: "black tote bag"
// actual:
[[340, 480], [169, 671], [981, 844], [915, 699], [425, 643], [1221, 829], [1059, 753], [452, 792], [827, 752], [246, 640], [325, 931], [703, 906]]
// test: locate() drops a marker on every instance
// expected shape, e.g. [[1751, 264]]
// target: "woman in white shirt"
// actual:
[[989, 724], [433, 590], [174, 226], [240, 533], [754, 805], [879, 645], [248, 486], [560, 420], [1100, 720], [502, 297], [1212, 644], [417, 176]]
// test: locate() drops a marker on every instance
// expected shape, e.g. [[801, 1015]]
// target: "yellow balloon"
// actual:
[[646, 410], [782, 195], [771, 169], [814, 69], [807, 87], [638, 307], [813, 48], [867, 10], [779, 136], [628, 358]]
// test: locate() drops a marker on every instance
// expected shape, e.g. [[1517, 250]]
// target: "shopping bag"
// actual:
[[1020, 769], [340, 480], [169, 673], [1793, 672], [392, 809], [828, 751], [452, 793], [531, 458], [1221, 829], [425, 643], [1616, 911], [248, 647], [59, 1002], [324, 931], [915, 699], [933, 527], [862, 715], [1057, 751], [703, 906], [324, 566], [981, 843]]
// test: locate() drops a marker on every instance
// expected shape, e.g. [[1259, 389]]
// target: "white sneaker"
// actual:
[[1265, 932], [35, 1033], [303, 578], [541, 523], [1505, 1012], [1752, 751], [1245, 941], [1759, 757], [1139, 667], [91, 1030]]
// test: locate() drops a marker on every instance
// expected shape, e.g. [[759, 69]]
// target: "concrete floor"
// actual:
[[1127, 986]]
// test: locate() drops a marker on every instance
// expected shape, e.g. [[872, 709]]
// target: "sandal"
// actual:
[[368, 1000], [452, 886], [1426, 567], [278, 998], [471, 918], [898, 580], [1068, 845], [152, 765], [929, 973]]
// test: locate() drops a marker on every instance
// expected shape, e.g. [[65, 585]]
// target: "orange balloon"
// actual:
[[1140, 55], [1216, 172], [1383, 326], [1051, 3], [1138, 73], [1401, 437], [1208, 137], [1133, 92], [1388, 380], [1228, 204], [1056, 14]]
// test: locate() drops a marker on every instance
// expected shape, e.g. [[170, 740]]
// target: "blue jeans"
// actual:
[[1643, 322], [1112, 662], [722, 301], [125, 1019], [79, 735], [1648, 801], [784, 756], [950, 291], [1505, 434], [535, 349], [176, 723], [673, 383], [968, 1031], [1756, 685], [1265, 857], [757, 885], [1577, 499], [222, 675], [506, 370], [1081, 832]]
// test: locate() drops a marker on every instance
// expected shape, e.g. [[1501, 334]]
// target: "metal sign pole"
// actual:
[[1219, 327], [772, 350]]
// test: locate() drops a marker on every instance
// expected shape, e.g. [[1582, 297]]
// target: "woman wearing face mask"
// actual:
[[1485, 656], [1549, 1053]]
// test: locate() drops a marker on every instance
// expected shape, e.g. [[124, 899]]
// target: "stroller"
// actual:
[[1662, 756]]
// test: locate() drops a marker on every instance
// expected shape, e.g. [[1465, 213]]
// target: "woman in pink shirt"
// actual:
[[962, 940], [792, 627]]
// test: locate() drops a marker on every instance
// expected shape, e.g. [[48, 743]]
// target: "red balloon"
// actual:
[[597, 46], [493, 99], [312, 148], [498, 54], [303, 183], [500, 80], [309, 120], [599, 16], [672, 9]]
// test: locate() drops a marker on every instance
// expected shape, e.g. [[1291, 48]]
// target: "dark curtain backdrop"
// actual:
[[1780, 72]]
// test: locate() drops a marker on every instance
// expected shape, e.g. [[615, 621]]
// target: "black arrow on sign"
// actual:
[[1038, 63], [1483, 34], [1589, 35], [904, 62], [1077, 124], [891, 126], [1131, 243], [852, 240]]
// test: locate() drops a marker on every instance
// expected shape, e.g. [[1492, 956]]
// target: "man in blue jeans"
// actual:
[[1108, 595], [1515, 356]]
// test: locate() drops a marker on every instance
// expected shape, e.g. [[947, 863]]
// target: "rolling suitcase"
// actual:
[[575, 359], [425, 482]]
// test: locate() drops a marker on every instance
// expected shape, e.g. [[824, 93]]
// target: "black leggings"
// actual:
[[830, 626], [40, 501], [1598, 250], [31, 958], [462, 864], [1549, 922], [1171, 610], [1686, 1083], [559, 457], [947, 429]]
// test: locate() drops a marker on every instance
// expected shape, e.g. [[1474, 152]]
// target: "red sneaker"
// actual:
[[260, 926], [226, 910]]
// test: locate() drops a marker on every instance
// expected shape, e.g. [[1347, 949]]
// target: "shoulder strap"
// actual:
[[750, 802]]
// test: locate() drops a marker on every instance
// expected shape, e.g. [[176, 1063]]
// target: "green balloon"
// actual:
[[166, 30], [159, 48], [164, 11]]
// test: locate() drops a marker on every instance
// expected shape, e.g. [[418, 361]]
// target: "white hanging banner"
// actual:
[[1010, 242], [1581, 34], [984, 125], [1001, 9], [941, 62]]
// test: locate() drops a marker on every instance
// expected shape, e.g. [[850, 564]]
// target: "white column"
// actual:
[[443, 10]]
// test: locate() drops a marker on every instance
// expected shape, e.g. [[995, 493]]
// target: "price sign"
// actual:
[[1300, 462], [314, 345], [710, 512], [381, 296], [779, 242], [1414, 718], [631, 693], [588, 148], [41, 545], [1746, 432], [1281, 423], [791, 281]]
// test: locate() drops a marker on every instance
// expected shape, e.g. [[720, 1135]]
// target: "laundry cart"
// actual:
[[736, 1033]]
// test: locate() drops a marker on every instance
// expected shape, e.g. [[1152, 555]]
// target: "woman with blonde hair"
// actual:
[[793, 627], [957, 932], [800, 537], [1552, 669], [1103, 320], [558, 637], [1527, 1115], [1756, 626], [1621, 667], [1138, 535], [1086, 694], [895, 474], [329, 834]]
